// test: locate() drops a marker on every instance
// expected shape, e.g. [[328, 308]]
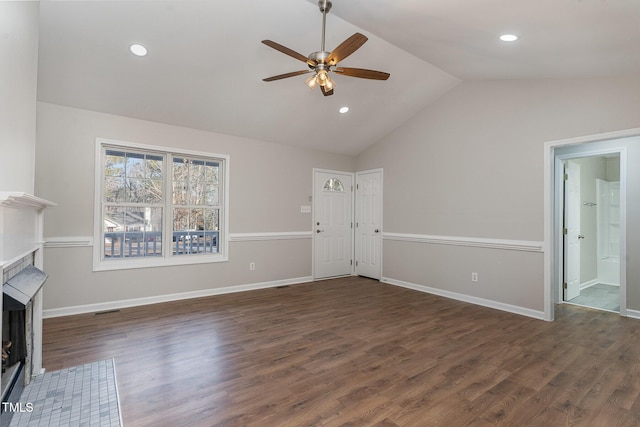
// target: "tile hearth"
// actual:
[[78, 396]]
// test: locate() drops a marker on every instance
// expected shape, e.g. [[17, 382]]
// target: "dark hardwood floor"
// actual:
[[354, 351]]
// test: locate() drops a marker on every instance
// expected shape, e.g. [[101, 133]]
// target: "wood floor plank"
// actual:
[[354, 351]]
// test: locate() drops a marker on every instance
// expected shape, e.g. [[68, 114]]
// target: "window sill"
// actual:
[[127, 264]]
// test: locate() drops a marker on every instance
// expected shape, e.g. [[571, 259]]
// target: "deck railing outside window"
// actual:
[[127, 244]]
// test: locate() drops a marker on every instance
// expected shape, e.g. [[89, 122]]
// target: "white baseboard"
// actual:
[[536, 314], [115, 305], [634, 314], [589, 284]]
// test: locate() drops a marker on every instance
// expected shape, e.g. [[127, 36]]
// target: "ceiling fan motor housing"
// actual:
[[317, 59]]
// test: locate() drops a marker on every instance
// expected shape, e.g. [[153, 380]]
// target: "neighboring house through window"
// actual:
[[157, 206]]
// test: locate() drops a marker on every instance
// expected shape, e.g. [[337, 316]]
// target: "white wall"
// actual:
[[268, 184], [18, 81], [472, 166]]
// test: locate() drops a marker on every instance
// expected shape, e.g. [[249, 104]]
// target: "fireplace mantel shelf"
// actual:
[[15, 199]]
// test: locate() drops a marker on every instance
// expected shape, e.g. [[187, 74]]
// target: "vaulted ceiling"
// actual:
[[205, 64]]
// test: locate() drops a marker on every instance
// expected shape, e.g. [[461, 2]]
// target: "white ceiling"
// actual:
[[206, 63]]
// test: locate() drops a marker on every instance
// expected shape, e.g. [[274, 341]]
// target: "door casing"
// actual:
[[594, 145]]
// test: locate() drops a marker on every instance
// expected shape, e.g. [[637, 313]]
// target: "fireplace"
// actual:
[[21, 263], [19, 292]]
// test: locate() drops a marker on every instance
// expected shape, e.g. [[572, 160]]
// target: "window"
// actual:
[[158, 207], [333, 185]]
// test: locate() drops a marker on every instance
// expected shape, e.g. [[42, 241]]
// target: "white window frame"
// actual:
[[167, 259]]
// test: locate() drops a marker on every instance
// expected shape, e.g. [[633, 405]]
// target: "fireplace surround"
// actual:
[[21, 265]]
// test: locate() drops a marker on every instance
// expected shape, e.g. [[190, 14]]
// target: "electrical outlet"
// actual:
[[474, 277], [252, 266]]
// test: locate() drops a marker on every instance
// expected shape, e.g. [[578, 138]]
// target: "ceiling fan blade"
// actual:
[[362, 73], [291, 53], [286, 75], [326, 92], [346, 48]]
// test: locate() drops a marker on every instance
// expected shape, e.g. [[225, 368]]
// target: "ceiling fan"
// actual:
[[323, 63]]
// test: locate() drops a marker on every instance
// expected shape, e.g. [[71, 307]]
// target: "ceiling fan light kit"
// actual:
[[323, 63]]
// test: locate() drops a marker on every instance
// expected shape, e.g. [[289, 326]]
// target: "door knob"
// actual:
[[580, 236], [319, 231], [376, 231]]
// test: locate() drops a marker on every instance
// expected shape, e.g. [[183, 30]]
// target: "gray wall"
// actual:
[[18, 81], [469, 166], [268, 184], [472, 165]]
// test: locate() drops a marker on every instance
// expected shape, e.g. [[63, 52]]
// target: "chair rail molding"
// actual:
[[504, 244]]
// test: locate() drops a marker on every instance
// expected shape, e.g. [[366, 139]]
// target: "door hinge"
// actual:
[[352, 225], [351, 262], [566, 177], [564, 231], [564, 285], [357, 186], [356, 263]]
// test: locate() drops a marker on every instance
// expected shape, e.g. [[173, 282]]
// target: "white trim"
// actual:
[[69, 242], [277, 235], [513, 245], [589, 284], [87, 241], [523, 311], [135, 302], [552, 192], [634, 314], [34, 249], [15, 199]]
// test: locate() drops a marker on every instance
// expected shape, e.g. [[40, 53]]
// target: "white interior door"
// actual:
[[368, 231], [572, 235], [332, 224]]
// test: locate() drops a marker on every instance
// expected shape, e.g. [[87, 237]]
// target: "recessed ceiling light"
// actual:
[[138, 49], [343, 110], [508, 37]]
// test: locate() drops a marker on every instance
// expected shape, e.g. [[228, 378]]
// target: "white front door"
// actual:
[[368, 223], [572, 227], [332, 223]]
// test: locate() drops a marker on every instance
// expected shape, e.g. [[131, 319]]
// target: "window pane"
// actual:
[[211, 220], [154, 167], [153, 190], [195, 231], [135, 190], [333, 184], [114, 189], [180, 219], [212, 195], [114, 163], [212, 170], [132, 232], [135, 166]]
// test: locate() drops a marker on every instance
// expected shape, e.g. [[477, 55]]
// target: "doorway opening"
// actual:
[[611, 147], [591, 243]]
